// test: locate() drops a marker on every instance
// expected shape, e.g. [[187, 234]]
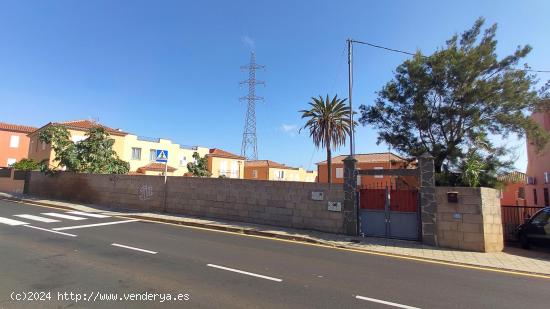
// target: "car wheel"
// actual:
[[524, 241]]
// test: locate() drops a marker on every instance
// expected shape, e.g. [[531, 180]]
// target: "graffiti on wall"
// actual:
[[145, 192]]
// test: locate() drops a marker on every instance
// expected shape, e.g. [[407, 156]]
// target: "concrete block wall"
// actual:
[[9, 183], [474, 223], [285, 204]]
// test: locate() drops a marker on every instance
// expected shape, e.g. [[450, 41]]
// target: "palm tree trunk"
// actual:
[[329, 164]]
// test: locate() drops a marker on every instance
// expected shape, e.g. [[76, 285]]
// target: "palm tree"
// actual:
[[328, 123]]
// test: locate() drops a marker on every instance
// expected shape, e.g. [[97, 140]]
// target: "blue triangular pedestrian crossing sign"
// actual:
[[162, 156]]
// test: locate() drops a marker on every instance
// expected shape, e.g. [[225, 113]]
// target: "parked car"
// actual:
[[535, 230]]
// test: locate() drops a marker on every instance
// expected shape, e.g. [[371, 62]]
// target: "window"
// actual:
[[136, 153], [254, 173], [11, 161], [77, 138], [183, 160], [379, 168], [339, 172], [521, 193], [14, 141], [546, 197], [152, 155], [235, 169], [280, 175], [43, 145], [546, 177], [535, 200], [223, 167], [359, 180]]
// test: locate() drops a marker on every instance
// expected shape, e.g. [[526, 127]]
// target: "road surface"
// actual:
[[61, 259]]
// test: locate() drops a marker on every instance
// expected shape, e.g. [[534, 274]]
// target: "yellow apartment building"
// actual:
[[270, 170], [140, 152], [40, 151], [225, 164]]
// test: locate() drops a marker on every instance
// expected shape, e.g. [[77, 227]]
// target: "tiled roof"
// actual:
[[369, 158], [16, 127], [513, 177], [265, 163], [86, 125], [216, 152], [156, 167]]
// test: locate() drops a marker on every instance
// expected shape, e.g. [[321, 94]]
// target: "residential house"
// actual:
[[225, 164], [14, 143], [270, 170], [40, 151], [538, 167], [140, 152], [367, 161], [513, 193]]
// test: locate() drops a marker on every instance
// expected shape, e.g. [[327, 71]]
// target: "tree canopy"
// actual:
[[454, 100], [199, 168], [26, 165], [328, 123], [94, 154]]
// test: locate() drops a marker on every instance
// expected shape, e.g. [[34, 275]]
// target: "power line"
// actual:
[[412, 54]]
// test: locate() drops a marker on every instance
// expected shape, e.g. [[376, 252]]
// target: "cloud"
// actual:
[[248, 41], [290, 129]]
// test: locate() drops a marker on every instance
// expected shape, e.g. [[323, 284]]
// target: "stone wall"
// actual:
[[474, 223], [286, 204]]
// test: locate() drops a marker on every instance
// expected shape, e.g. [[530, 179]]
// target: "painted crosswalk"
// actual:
[[88, 214], [63, 216], [37, 218], [50, 217], [11, 221]]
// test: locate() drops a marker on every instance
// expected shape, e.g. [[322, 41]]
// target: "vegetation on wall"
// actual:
[[26, 165], [94, 154], [451, 102]]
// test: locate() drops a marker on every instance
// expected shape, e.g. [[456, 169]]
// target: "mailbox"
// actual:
[[452, 197]]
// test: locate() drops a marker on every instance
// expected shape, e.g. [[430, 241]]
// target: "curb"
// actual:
[[253, 232]]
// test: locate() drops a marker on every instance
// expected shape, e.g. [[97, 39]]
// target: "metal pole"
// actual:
[[165, 171], [350, 83]]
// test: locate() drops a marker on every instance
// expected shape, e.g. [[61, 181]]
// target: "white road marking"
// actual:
[[374, 300], [53, 214], [88, 214], [91, 225], [61, 233], [11, 221], [37, 218], [244, 272], [134, 248]]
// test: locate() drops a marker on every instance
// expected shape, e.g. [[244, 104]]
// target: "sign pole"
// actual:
[[165, 171]]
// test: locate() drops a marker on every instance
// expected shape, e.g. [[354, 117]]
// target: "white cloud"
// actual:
[[248, 41], [290, 129]]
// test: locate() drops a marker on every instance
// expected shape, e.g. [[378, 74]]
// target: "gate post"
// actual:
[[428, 206], [350, 203]]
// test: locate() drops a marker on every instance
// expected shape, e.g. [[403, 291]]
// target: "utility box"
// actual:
[[334, 206], [317, 195]]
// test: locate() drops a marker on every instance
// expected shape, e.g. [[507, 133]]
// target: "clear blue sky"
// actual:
[[171, 68]]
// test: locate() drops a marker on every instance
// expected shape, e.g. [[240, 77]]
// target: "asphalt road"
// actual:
[[94, 259]]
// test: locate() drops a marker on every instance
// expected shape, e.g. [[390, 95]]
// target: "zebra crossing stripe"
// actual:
[[11, 221], [53, 214], [37, 218], [88, 214]]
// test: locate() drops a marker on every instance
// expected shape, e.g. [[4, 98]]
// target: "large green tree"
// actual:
[[199, 168], [328, 123], [458, 97], [94, 154]]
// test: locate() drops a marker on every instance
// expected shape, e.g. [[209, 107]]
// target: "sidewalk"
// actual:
[[512, 259]]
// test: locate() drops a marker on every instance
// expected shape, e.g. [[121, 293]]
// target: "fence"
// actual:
[[513, 216]]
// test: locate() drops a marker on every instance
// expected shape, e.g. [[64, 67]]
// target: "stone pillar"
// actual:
[[428, 205], [350, 203]]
